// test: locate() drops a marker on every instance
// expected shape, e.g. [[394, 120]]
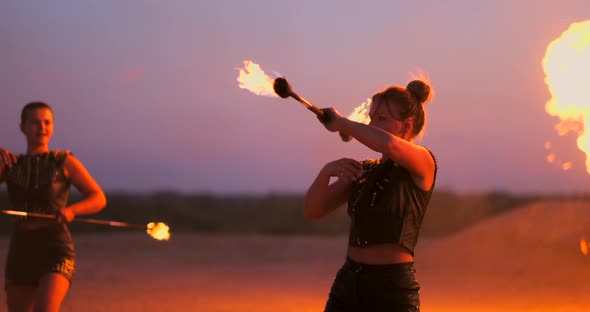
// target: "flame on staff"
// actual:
[[159, 231], [252, 78], [567, 65], [584, 246], [361, 112]]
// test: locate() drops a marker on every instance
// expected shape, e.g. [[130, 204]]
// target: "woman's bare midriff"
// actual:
[[380, 254]]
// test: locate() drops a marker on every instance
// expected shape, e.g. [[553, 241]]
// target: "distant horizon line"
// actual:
[[169, 191]]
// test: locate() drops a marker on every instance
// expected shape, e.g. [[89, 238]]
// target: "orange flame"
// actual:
[[584, 247], [253, 79], [548, 145], [361, 112], [159, 231], [552, 159], [566, 65]]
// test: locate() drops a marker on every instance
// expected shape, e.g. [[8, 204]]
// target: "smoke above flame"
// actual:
[[567, 66]]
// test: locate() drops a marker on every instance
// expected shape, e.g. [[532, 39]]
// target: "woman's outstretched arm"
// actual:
[[414, 158]]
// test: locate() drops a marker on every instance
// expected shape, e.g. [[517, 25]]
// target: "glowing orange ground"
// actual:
[[526, 260]]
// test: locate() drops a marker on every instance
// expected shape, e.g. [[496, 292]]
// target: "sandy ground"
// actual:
[[525, 260]]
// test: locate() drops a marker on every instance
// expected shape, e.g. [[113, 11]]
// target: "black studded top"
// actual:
[[386, 206], [37, 183]]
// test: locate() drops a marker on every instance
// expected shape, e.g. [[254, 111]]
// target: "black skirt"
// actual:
[[384, 287], [34, 253]]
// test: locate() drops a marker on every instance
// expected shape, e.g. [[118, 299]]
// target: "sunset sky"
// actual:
[[145, 92]]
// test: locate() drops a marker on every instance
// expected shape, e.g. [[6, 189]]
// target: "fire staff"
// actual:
[[386, 197], [41, 258]]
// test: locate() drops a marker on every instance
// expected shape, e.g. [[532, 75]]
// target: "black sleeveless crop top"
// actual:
[[386, 206], [37, 183]]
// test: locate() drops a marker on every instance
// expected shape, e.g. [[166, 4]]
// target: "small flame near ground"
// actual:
[[252, 78], [567, 65], [159, 230], [584, 246]]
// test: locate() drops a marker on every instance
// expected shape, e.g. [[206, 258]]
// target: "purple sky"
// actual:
[[144, 92]]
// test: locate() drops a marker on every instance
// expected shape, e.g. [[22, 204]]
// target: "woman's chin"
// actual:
[[39, 142]]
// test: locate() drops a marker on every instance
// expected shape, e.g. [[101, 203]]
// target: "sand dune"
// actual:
[[524, 260], [549, 221], [528, 259]]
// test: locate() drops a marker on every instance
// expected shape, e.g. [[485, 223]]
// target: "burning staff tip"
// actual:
[[253, 78], [158, 230], [282, 87]]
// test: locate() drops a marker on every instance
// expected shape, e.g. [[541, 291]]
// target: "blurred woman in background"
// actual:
[[41, 258]]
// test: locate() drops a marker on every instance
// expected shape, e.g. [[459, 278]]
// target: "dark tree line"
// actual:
[[278, 214]]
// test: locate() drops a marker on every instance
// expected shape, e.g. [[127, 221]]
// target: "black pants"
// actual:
[[33, 253], [371, 288]]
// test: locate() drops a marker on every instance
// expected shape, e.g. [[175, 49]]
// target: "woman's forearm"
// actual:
[[374, 138], [322, 197], [315, 199], [92, 203]]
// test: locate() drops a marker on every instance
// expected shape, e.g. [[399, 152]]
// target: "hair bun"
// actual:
[[419, 90]]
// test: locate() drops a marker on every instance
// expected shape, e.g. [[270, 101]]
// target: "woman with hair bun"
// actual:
[[387, 199]]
